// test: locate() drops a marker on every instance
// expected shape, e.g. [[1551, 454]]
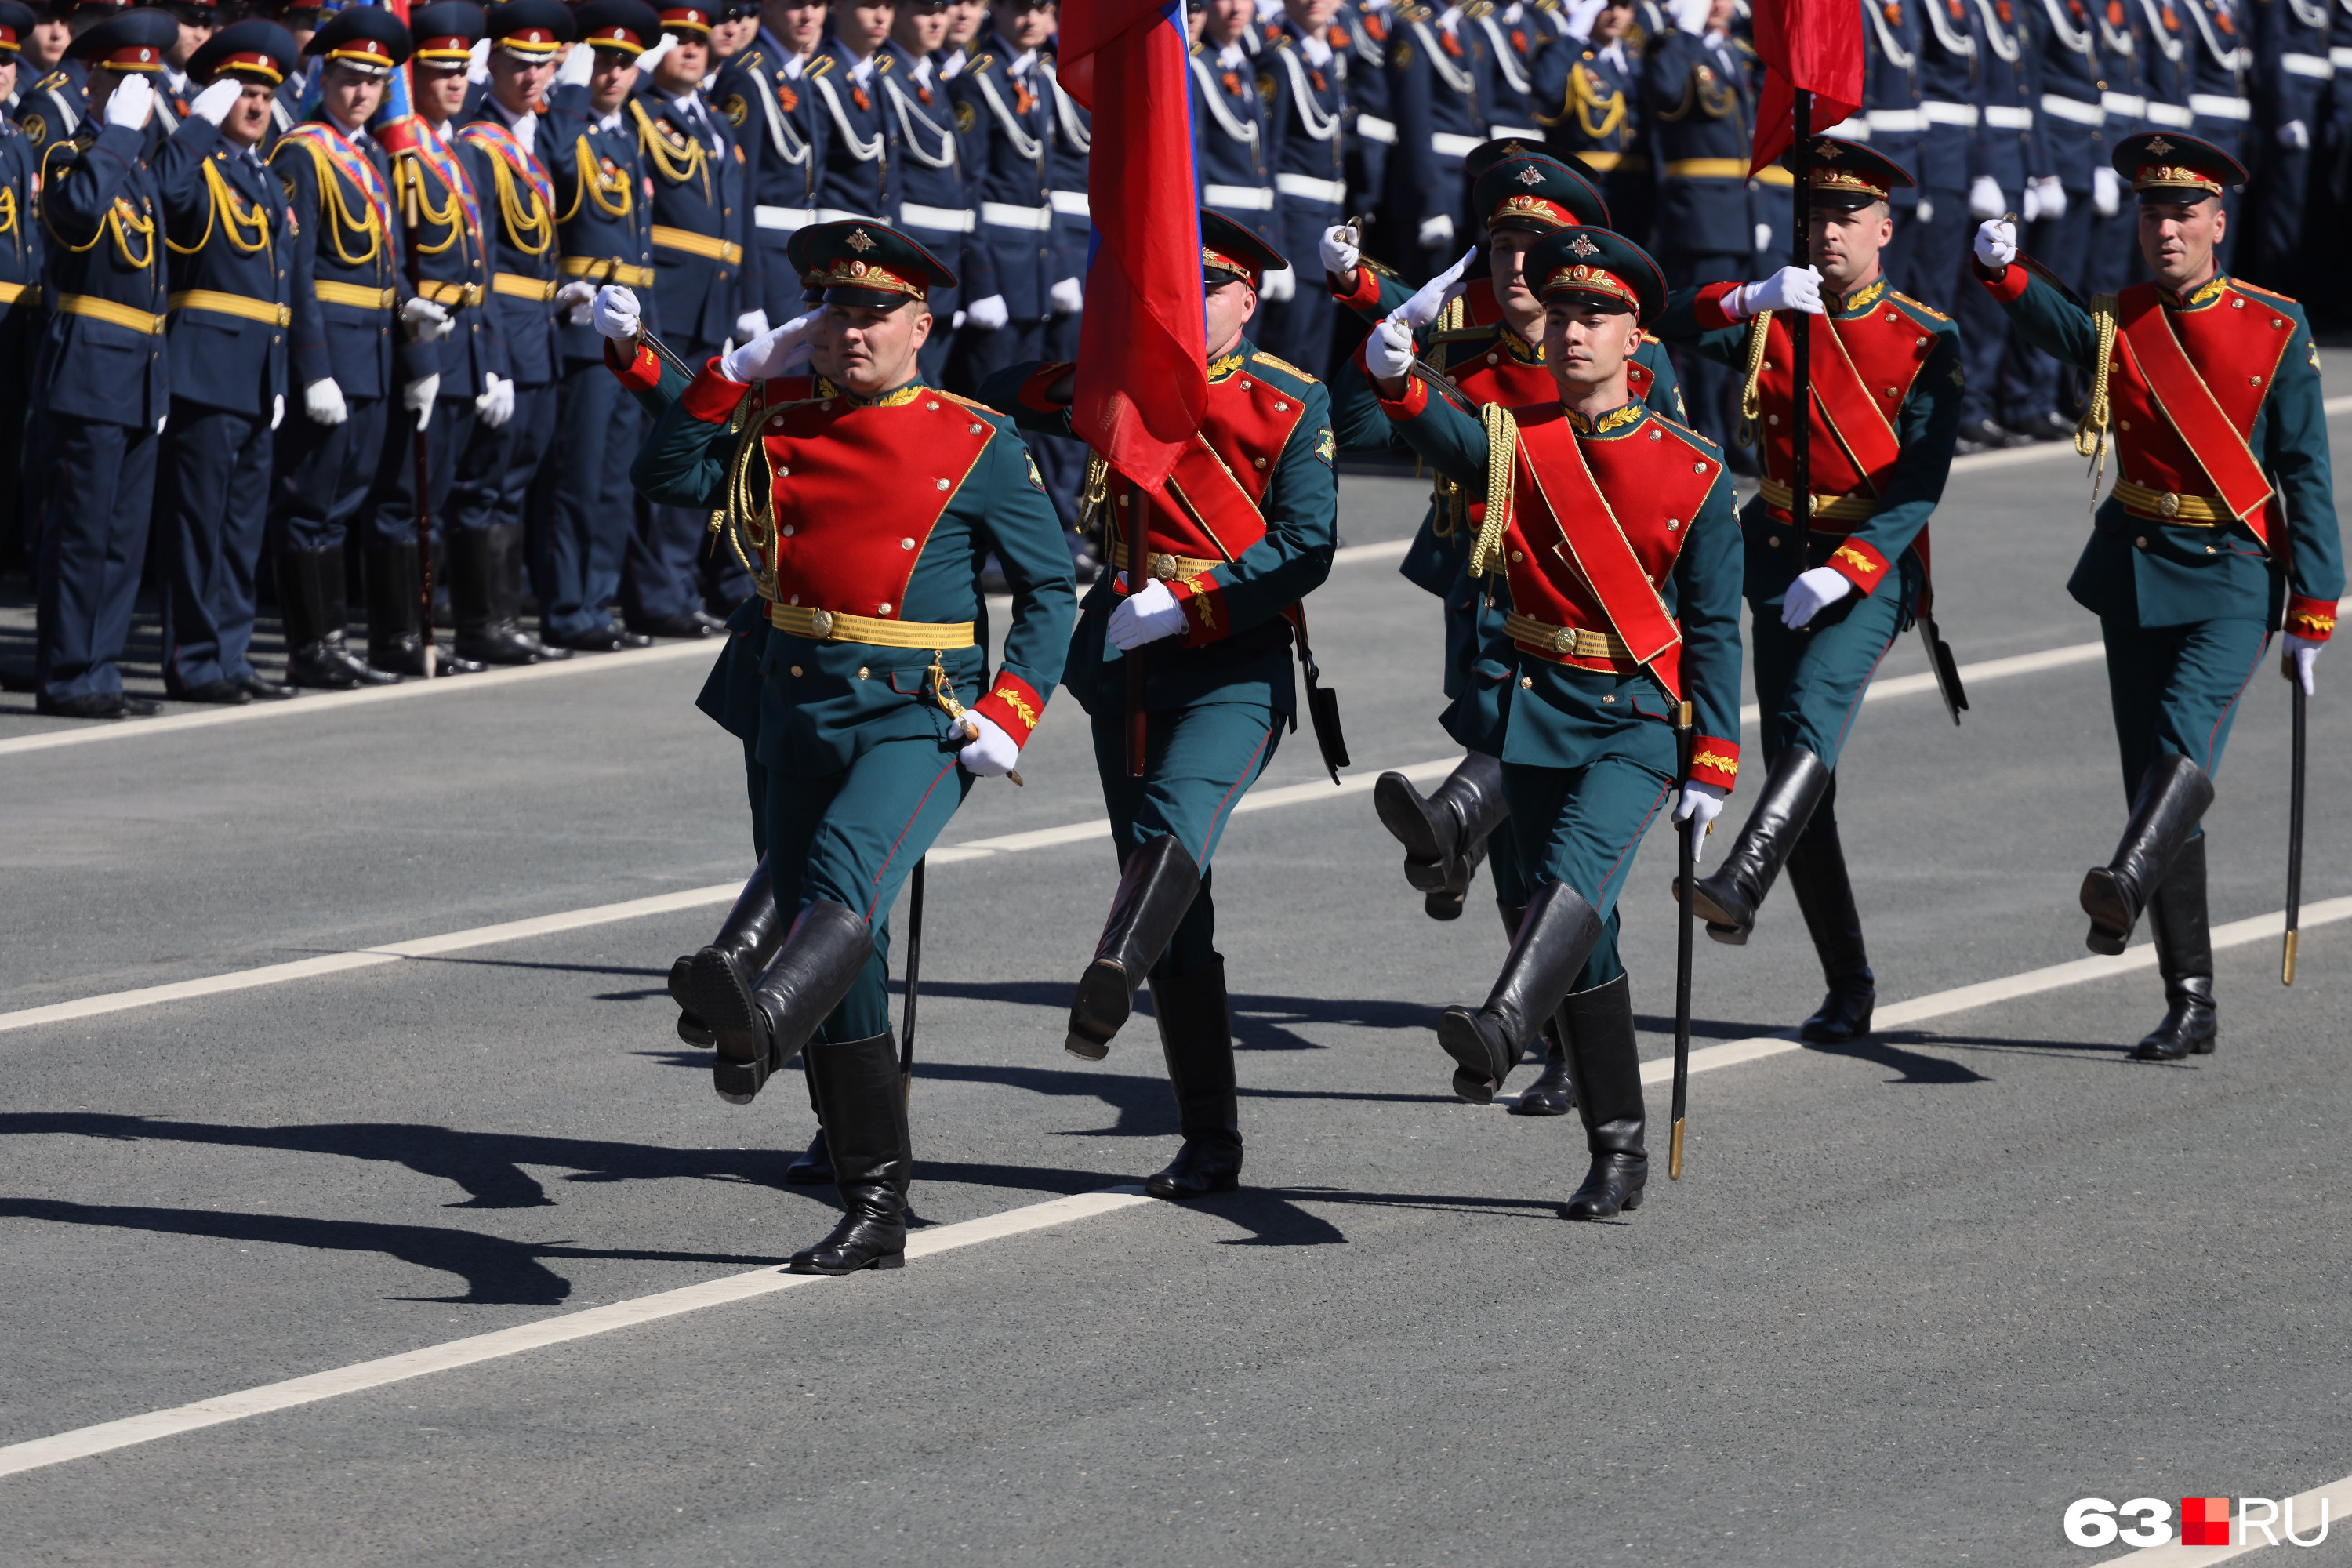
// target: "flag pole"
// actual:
[[1801, 406]]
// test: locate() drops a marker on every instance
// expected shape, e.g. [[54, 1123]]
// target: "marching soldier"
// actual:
[[935, 208], [101, 377], [1303, 77], [500, 150], [705, 294], [53, 106], [1587, 94], [351, 297], [1253, 535], [1234, 148], [1612, 532], [1441, 92], [232, 267], [2221, 523], [20, 283], [604, 236], [1884, 406], [870, 500], [777, 123], [857, 176], [1005, 122], [445, 367]]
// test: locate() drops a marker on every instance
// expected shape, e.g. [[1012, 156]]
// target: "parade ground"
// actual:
[[359, 1205]]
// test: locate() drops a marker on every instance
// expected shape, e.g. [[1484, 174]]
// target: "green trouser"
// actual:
[[1809, 683], [2175, 689]]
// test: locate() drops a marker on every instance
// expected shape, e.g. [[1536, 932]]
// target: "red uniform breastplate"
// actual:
[[1224, 470], [1883, 353], [2235, 343]]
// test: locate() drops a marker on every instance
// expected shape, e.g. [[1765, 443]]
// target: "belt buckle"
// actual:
[[821, 622], [1564, 640], [2168, 506], [1161, 566]]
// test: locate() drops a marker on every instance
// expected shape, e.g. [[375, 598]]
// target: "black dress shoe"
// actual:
[[262, 690], [140, 707], [1614, 1186], [327, 665], [606, 638], [88, 705], [1984, 436], [692, 624], [226, 692], [2047, 426]]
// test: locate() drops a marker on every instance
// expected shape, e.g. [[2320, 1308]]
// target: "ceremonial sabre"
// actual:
[[2293, 817], [1686, 834], [914, 979]]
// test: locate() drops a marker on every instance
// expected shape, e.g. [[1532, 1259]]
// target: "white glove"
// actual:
[[1790, 288], [277, 410], [1388, 352], [1438, 231], [2304, 653], [417, 398], [2107, 191], [132, 101], [1341, 250], [496, 404], [322, 400], [1702, 803], [426, 321], [2053, 194], [575, 302], [1579, 16], [1068, 297], [1928, 207], [955, 323], [1985, 198], [1147, 617], [2029, 208], [751, 325], [989, 315], [2295, 135], [1279, 287], [771, 354], [991, 753], [1996, 243], [1812, 592], [1435, 295], [1689, 16], [215, 102], [1763, 237], [614, 313]]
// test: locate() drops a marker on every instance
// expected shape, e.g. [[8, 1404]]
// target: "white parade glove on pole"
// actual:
[[2304, 653], [989, 315], [1147, 617], [993, 753], [1996, 243], [1434, 296], [215, 102], [751, 325], [1068, 297], [1341, 251], [1812, 592], [496, 404], [1790, 288], [1388, 352], [131, 103], [614, 313], [322, 400], [426, 321], [2107, 191], [1279, 287], [1985, 198], [771, 354], [1438, 231], [1702, 803], [417, 398]]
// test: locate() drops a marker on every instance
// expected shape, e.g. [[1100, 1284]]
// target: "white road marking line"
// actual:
[[2304, 1507], [135, 1429], [131, 1430]]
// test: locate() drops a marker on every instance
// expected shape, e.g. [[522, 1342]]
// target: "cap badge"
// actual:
[[859, 241], [1581, 246], [1530, 176], [2159, 146]]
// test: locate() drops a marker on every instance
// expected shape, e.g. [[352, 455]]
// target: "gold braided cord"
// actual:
[[1587, 93], [665, 158], [1093, 491], [8, 212], [1751, 401], [598, 187], [1502, 452], [240, 220], [521, 221], [416, 207], [1452, 317], [114, 224], [334, 216], [2091, 431]]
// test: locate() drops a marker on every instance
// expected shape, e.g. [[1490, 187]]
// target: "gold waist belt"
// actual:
[[2163, 506], [836, 626], [522, 288], [1167, 568], [267, 312], [610, 269], [695, 244], [1568, 642], [1707, 168], [20, 293], [463, 296], [1832, 508], [352, 294], [109, 311]]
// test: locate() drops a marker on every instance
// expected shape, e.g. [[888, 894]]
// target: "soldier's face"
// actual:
[[518, 83], [862, 28], [1024, 24], [1611, 24], [1846, 245], [2177, 238], [866, 350], [45, 44], [963, 21], [728, 38], [1507, 250], [1229, 306], [348, 95], [682, 69], [248, 116], [1226, 18], [798, 27], [1312, 15], [8, 75], [921, 29], [1585, 344], [193, 37], [440, 92], [609, 85]]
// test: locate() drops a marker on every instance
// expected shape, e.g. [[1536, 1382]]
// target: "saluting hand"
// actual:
[[131, 103], [1437, 294], [214, 103], [772, 354]]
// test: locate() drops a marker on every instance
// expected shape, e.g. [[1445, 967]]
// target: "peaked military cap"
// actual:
[[16, 19], [1847, 176], [1486, 155], [1538, 193], [367, 39], [626, 26], [134, 41], [854, 262], [446, 32], [256, 49], [532, 29], [1595, 263], [1229, 250], [2166, 166], [689, 18]]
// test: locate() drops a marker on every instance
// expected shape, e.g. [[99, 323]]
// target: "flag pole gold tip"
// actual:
[[1675, 1155], [2286, 961]]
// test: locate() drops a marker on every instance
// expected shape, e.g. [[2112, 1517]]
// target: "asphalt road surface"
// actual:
[[1911, 1299]]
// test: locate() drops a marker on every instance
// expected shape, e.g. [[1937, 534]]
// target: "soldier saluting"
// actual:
[[2221, 521], [869, 500]]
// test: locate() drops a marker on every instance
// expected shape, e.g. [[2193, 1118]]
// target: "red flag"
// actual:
[[1805, 44], [1143, 379]]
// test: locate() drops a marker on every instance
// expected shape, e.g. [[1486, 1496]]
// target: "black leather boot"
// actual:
[[485, 587], [310, 598], [2173, 796], [1196, 1035], [814, 1167], [1727, 900], [395, 617], [1444, 832], [744, 947], [864, 1106], [2184, 955], [1604, 1059], [1817, 873], [1553, 1093], [758, 1029], [1154, 890], [1554, 938]]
